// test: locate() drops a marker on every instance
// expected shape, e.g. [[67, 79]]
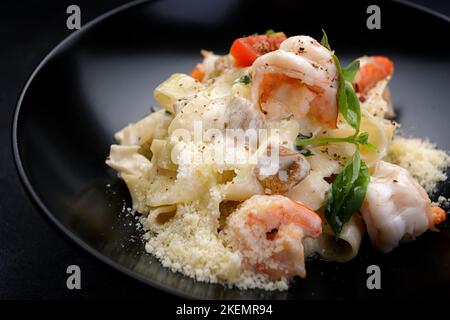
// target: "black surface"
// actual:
[[34, 257]]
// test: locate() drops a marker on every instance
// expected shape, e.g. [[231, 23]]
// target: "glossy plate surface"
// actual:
[[102, 77]]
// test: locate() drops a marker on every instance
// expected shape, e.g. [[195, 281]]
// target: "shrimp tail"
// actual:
[[438, 214], [373, 69]]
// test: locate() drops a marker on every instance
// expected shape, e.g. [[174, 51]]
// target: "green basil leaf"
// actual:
[[350, 71], [324, 40], [356, 196], [363, 138], [348, 102], [348, 178], [347, 193], [341, 96], [353, 110]]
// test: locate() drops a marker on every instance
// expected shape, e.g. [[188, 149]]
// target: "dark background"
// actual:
[[34, 255]]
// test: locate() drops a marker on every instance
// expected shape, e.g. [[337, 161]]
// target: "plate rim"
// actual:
[[28, 186], [39, 203]]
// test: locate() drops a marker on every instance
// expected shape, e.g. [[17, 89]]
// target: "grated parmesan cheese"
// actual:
[[443, 202], [191, 244], [422, 159]]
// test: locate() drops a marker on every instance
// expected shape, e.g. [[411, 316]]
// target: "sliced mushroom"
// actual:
[[241, 114], [293, 168]]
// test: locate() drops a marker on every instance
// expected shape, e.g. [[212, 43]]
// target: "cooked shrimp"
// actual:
[[439, 214], [396, 208], [212, 66], [298, 79], [372, 70], [268, 232], [206, 67], [197, 73], [293, 168]]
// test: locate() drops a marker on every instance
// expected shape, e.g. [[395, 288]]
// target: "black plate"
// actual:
[[101, 78]]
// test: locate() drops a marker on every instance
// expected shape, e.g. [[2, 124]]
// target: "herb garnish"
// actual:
[[347, 193], [360, 139], [245, 79], [348, 102], [271, 32], [303, 151]]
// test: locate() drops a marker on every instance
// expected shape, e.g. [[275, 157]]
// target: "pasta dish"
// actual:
[[271, 155]]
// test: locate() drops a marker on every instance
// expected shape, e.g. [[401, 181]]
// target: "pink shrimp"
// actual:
[[397, 208], [299, 79], [268, 232]]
